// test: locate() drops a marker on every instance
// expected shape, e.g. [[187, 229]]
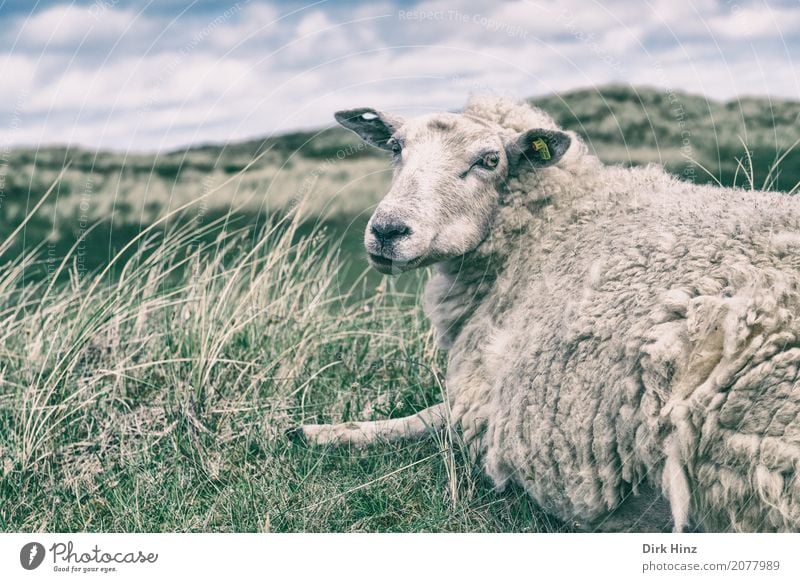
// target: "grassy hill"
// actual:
[[639, 125], [698, 139], [622, 124]]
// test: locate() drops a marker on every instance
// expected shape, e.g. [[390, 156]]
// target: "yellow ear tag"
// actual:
[[540, 146]]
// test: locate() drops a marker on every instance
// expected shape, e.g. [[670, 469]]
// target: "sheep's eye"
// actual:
[[397, 149], [490, 160]]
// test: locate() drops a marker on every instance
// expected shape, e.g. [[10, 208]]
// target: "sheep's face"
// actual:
[[447, 178]]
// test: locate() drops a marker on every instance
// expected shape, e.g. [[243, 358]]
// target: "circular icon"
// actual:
[[31, 555]]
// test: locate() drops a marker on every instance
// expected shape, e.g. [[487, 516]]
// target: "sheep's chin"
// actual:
[[391, 266]]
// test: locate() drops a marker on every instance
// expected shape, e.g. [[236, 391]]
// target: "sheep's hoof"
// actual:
[[297, 436]]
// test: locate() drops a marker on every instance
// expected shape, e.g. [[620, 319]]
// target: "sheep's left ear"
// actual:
[[374, 127], [538, 148]]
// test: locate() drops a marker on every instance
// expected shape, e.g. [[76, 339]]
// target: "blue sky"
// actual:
[[153, 75]]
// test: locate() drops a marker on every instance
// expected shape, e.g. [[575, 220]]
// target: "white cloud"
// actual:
[[749, 22], [251, 21], [17, 72], [70, 25]]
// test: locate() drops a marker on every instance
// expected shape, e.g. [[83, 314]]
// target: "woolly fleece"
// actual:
[[620, 331]]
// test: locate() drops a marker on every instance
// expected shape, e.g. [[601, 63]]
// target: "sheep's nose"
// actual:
[[389, 232]]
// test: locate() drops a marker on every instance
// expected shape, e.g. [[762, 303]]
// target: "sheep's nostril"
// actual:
[[390, 231]]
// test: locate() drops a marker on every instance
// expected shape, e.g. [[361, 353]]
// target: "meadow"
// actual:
[[165, 318]]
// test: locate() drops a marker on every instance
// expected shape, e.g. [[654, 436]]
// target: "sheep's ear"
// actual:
[[374, 127], [538, 148]]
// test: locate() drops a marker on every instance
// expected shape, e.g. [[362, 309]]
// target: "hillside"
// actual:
[[639, 125], [623, 124], [341, 178]]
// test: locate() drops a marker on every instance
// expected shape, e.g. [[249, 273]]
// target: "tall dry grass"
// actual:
[[194, 346]]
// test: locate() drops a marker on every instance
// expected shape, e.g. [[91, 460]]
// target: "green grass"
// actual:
[[156, 399]]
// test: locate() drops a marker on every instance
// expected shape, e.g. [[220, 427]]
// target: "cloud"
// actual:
[[757, 23], [70, 25], [158, 75], [254, 19]]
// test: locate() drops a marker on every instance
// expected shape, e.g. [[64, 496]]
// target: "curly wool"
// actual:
[[622, 331]]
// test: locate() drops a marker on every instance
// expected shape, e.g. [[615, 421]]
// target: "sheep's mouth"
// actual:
[[390, 266]]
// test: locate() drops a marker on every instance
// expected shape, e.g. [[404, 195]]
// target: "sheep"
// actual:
[[622, 344]]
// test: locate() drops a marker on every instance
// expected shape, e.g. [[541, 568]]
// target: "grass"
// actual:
[[156, 399]]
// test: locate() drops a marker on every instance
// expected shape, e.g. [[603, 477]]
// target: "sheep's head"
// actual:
[[449, 172]]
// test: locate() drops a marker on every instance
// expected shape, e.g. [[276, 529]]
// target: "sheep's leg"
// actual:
[[644, 512], [359, 434], [676, 486]]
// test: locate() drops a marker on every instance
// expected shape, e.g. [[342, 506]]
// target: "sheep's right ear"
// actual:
[[374, 127], [538, 148]]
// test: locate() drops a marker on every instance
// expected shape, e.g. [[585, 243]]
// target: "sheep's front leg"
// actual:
[[360, 434]]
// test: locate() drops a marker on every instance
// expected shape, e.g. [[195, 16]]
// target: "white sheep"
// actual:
[[624, 345]]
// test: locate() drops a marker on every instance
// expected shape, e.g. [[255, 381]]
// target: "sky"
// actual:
[[152, 75]]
